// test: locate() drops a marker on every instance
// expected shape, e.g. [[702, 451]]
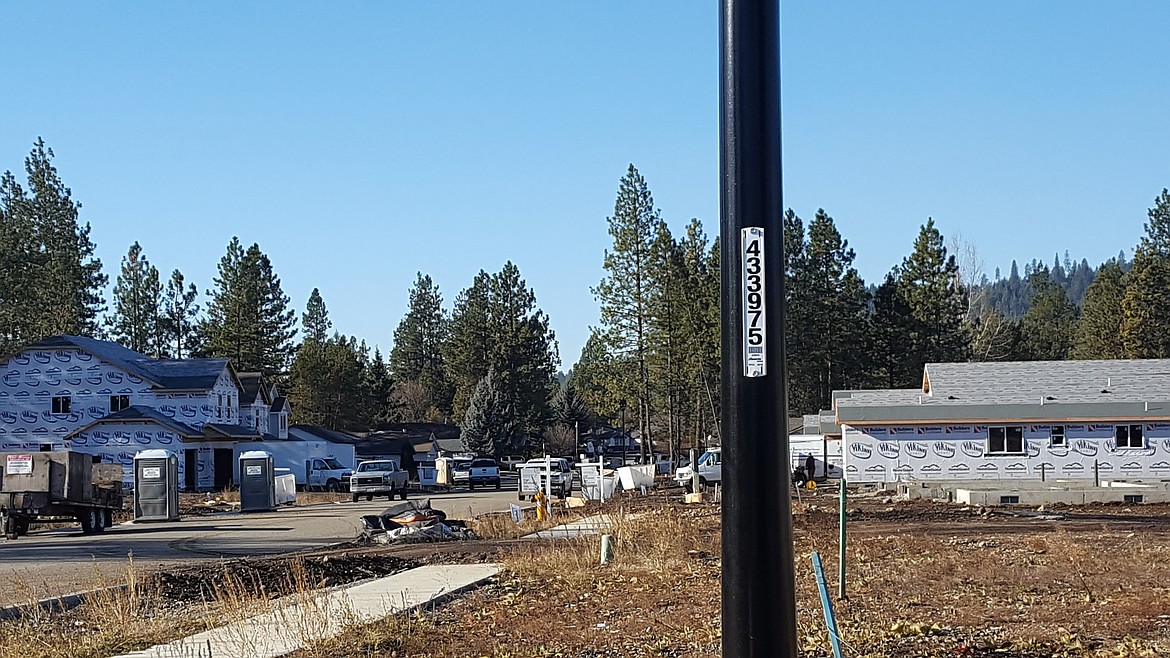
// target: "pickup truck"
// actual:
[[380, 477], [326, 474], [532, 477], [483, 471]]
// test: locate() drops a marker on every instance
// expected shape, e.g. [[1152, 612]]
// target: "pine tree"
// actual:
[[50, 280], [248, 318], [315, 319], [496, 325], [593, 376], [490, 425], [697, 278], [378, 388], [419, 340], [626, 292], [1046, 332], [179, 317], [1098, 334], [327, 382], [1146, 304], [666, 337], [137, 297], [468, 349], [929, 283], [19, 255], [890, 329], [798, 316], [836, 303]]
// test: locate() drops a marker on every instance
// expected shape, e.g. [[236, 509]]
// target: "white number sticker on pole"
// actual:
[[755, 346]]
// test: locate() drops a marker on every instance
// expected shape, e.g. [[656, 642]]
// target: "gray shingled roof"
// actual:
[[186, 374], [250, 387], [165, 374], [137, 413], [214, 430], [1024, 390]]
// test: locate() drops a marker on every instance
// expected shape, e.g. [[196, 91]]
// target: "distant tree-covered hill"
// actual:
[[1010, 295]]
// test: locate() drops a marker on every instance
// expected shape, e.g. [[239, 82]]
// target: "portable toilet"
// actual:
[[156, 486], [257, 482]]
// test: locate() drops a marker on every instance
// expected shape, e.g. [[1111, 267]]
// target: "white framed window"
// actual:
[[1056, 436], [1129, 436], [1007, 440], [62, 404]]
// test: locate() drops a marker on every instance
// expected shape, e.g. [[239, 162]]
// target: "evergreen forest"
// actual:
[[487, 359]]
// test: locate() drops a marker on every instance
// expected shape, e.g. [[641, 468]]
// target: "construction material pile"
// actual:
[[412, 521]]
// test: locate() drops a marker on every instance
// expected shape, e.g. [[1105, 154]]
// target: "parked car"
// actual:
[[483, 471], [380, 477]]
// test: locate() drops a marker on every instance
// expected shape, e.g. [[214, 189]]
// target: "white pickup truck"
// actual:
[[483, 471], [380, 477], [326, 474]]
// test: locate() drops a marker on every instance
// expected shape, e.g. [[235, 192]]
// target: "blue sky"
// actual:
[[359, 143]]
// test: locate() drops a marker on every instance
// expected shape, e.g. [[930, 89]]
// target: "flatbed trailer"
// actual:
[[55, 487]]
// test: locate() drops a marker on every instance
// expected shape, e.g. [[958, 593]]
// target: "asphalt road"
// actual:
[[54, 562]]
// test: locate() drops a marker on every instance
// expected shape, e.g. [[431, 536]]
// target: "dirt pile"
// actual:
[[269, 578]]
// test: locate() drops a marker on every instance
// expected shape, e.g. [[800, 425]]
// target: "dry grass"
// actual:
[[921, 583], [1026, 591], [111, 621], [158, 608]]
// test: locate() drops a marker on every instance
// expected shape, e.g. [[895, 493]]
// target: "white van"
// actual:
[[709, 467], [710, 463]]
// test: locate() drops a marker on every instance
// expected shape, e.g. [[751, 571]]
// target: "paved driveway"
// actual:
[[54, 562]]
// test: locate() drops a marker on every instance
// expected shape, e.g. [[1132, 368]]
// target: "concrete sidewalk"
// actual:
[[586, 527], [300, 620]]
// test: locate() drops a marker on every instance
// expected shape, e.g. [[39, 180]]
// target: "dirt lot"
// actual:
[[923, 579]]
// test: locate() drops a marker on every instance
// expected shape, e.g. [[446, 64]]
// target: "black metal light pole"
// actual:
[[759, 600]]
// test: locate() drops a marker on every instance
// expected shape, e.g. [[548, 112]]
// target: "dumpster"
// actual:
[[286, 487], [156, 486], [257, 482]]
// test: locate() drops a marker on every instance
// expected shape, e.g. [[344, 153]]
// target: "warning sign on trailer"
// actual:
[[755, 346], [18, 465]]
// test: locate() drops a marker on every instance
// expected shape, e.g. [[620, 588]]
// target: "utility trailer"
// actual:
[[52, 487]]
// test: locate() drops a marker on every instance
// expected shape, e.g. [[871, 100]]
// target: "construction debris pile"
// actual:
[[412, 521]]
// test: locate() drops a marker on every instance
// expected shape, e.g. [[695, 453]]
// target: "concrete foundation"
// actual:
[[1037, 492]]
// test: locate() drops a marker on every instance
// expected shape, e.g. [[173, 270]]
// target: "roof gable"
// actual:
[[138, 413]]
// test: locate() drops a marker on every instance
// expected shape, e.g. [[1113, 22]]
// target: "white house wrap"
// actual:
[[1018, 420]]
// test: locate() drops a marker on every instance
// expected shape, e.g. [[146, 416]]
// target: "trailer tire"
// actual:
[[88, 520], [21, 527], [99, 518], [10, 528], [109, 514]]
